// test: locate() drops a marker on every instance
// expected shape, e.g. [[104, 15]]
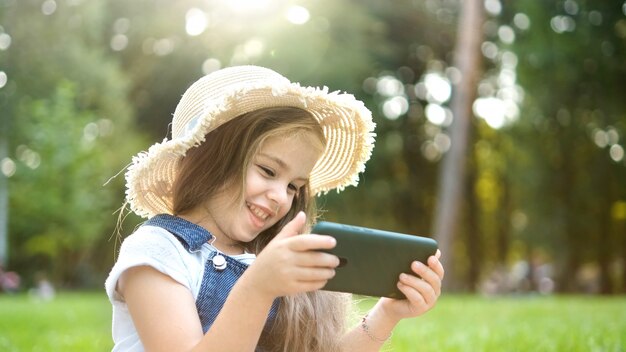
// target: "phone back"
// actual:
[[372, 260]]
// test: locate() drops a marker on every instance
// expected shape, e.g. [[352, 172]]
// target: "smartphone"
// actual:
[[371, 260]]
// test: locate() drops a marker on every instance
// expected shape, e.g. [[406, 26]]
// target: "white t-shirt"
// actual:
[[157, 248]]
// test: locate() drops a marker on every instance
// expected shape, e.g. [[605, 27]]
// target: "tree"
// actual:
[[452, 180]]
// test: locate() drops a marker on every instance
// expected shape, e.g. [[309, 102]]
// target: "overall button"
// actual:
[[219, 262]]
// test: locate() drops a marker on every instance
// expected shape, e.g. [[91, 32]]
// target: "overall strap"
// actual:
[[191, 235]]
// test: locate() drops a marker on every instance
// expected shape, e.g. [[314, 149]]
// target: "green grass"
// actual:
[[81, 322], [71, 322], [529, 323]]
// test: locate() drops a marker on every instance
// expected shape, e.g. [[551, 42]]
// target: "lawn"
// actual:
[[570, 324], [81, 322], [71, 322]]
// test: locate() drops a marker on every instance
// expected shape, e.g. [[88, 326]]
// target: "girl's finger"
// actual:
[[414, 297], [436, 266], [313, 274], [293, 227], [428, 275], [316, 259], [425, 290], [311, 242]]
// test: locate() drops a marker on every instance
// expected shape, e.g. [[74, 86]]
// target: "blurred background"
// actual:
[[500, 125]]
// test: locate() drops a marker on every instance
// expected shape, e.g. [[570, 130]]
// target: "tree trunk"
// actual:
[[451, 180], [604, 241], [4, 192], [504, 216], [572, 245], [5, 114], [622, 230], [5, 126], [474, 239]]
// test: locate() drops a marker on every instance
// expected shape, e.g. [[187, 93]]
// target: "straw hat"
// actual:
[[225, 94]]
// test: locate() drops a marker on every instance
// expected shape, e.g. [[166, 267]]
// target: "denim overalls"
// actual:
[[219, 276]]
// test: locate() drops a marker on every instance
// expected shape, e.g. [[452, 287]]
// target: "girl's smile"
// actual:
[[258, 211]]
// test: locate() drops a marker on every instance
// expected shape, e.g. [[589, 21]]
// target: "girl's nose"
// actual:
[[279, 195]]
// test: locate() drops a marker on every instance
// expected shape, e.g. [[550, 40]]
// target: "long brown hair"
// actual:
[[310, 322]]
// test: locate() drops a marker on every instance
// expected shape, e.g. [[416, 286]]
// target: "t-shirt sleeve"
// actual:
[[153, 247]]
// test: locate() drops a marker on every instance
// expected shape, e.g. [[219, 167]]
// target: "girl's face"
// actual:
[[275, 174]]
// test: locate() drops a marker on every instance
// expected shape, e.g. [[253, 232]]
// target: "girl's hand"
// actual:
[[291, 263], [422, 290]]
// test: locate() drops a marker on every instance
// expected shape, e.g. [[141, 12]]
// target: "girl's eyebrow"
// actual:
[[281, 164], [275, 159]]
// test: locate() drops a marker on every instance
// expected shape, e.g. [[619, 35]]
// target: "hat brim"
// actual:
[[346, 122]]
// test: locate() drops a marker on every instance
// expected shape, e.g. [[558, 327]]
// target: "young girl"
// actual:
[[225, 261]]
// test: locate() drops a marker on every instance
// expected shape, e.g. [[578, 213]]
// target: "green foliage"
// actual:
[[565, 180], [57, 192], [70, 131]]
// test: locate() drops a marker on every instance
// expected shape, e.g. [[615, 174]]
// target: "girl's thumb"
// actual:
[[293, 227]]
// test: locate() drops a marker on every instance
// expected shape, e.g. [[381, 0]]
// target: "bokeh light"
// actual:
[[90, 132], [489, 50], [8, 167], [612, 135], [248, 52], [438, 115], [600, 138], [297, 15], [211, 65], [119, 42], [616, 152], [521, 21], [163, 46], [508, 60], [430, 151], [3, 79], [29, 157], [595, 18], [506, 34], [48, 7], [496, 112], [562, 24], [196, 22], [493, 7], [121, 25], [453, 74], [395, 107], [5, 41], [438, 88], [570, 7], [389, 86], [443, 142]]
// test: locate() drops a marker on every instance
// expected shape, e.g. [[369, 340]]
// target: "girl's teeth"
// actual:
[[258, 212]]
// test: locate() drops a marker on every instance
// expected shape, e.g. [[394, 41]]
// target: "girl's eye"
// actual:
[[293, 187], [267, 171]]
